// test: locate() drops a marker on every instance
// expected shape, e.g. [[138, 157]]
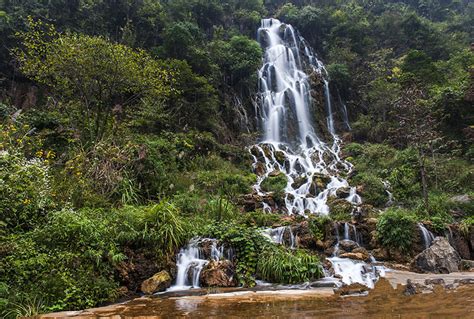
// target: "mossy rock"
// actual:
[[299, 181], [320, 181], [340, 209], [280, 157], [276, 184]]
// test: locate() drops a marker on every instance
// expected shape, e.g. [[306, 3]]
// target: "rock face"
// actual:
[[439, 258], [159, 282], [218, 274]]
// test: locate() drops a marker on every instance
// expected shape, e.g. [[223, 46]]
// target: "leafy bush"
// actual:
[[260, 219], [289, 267], [247, 242], [439, 207], [466, 226], [25, 186], [275, 184], [259, 258], [340, 209], [160, 227], [395, 229], [318, 225], [220, 209], [373, 192], [79, 245]]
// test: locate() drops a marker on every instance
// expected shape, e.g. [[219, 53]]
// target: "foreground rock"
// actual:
[[159, 282], [218, 274], [439, 258]]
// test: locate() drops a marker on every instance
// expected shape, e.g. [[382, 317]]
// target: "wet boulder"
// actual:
[[358, 253], [320, 181], [343, 192], [381, 254], [347, 245], [218, 274], [260, 169], [441, 257], [159, 282], [298, 182]]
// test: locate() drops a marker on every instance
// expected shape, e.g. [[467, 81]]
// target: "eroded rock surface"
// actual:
[[441, 257], [159, 282], [218, 274]]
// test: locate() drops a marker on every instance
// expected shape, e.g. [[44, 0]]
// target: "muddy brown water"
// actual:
[[381, 302]]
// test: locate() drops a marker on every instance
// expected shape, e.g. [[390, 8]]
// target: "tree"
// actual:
[[417, 126], [91, 77]]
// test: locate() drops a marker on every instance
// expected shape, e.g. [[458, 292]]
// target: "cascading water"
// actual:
[[354, 271], [277, 235], [428, 236], [192, 259], [290, 143]]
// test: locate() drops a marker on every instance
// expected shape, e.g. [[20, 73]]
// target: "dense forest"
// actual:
[[126, 127]]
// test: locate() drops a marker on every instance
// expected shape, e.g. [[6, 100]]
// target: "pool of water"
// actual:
[[381, 302]]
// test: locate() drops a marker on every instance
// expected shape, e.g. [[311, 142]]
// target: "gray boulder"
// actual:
[[440, 258]]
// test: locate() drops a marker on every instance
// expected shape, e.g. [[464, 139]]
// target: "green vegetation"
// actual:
[[124, 126], [259, 258], [396, 228]]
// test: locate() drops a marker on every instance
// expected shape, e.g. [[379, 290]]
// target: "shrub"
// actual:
[[374, 192], [275, 184], [466, 226], [26, 190], [259, 258], [340, 209], [260, 218], [279, 265], [318, 224], [395, 229], [247, 242], [68, 262], [160, 227]]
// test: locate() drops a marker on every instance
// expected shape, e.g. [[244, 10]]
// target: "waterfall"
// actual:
[[428, 236], [193, 258], [290, 143], [346, 231], [354, 271], [276, 235], [336, 247], [387, 187]]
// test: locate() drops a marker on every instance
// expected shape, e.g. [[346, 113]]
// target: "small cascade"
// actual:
[[353, 197], [277, 235], [345, 115], [357, 237], [242, 115], [428, 236], [354, 271], [193, 258], [348, 228], [336, 247], [290, 145], [388, 187], [346, 231], [449, 235]]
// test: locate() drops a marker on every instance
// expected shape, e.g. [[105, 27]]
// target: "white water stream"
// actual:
[[290, 143], [428, 236], [192, 259]]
